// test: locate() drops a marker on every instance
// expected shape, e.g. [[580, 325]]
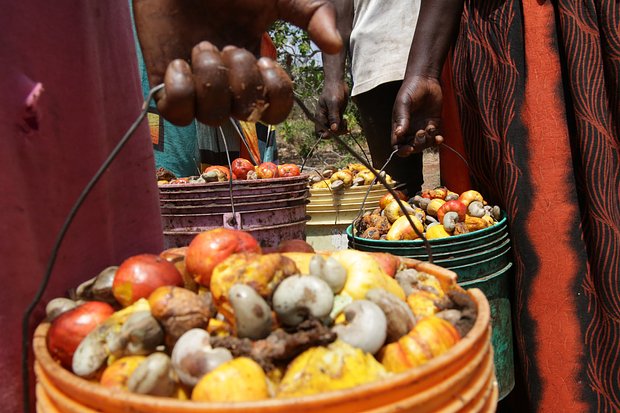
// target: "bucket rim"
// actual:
[[239, 183]]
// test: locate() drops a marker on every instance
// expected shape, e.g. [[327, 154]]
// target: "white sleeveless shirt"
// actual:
[[380, 41]]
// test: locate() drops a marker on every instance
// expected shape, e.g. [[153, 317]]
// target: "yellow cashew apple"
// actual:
[[431, 337], [335, 367], [240, 379]]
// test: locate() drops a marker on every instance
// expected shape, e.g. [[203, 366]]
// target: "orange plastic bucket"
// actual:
[[462, 379]]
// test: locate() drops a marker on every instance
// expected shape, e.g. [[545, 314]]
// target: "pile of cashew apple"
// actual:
[[241, 169], [226, 320], [436, 213]]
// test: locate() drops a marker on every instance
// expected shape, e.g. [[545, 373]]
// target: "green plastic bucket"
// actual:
[[458, 252], [496, 287], [481, 259]]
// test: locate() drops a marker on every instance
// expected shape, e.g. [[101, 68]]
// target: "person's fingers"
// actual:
[[213, 99], [334, 116], [400, 118], [438, 140], [431, 128], [321, 116], [404, 150], [319, 18], [420, 139], [176, 100], [246, 84], [278, 91]]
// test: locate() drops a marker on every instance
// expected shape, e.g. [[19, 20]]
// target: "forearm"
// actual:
[[437, 26], [334, 64]]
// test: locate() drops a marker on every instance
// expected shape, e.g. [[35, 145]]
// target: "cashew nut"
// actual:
[[449, 220], [450, 315], [91, 353], [431, 220], [193, 357], [366, 328], [476, 209], [139, 335], [57, 306], [497, 213], [400, 318], [330, 271], [337, 184], [423, 202], [252, 313], [99, 287], [452, 196], [407, 279], [298, 297], [154, 376]]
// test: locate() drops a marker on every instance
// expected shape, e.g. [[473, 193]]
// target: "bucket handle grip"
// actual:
[[232, 220]]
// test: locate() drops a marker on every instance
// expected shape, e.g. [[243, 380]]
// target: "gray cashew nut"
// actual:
[[476, 209], [252, 313], [140, 335], [407, 279], [57, 306], [300, 296], [330, 271], [154, 376], [449, 220], [193, 356], [400, 318], [366, 328], [98, 288]]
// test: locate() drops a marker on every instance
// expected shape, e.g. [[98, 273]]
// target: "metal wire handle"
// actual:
[[378, 176]]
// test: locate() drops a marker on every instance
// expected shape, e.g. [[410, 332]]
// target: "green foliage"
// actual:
[[302, 60]]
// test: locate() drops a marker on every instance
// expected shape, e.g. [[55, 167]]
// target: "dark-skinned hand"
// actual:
[[416, 117], [330, 109], [204, 53]]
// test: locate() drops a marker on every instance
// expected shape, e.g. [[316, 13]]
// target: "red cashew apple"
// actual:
[[439, 192], [69, 329], [389, 263], [267, 170], [469, 196], [211, 247], [138, 276], [288, 169], [455, 206], [241, 167]]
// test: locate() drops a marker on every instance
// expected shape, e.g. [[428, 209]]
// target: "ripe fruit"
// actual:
[[387, 198], [402, 230], [267, 170], [455, 206], [217, 173], [241, 167], [211, 247], [241, 379], [70, 328], [288, 169], [469, 196], [138, 276]]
